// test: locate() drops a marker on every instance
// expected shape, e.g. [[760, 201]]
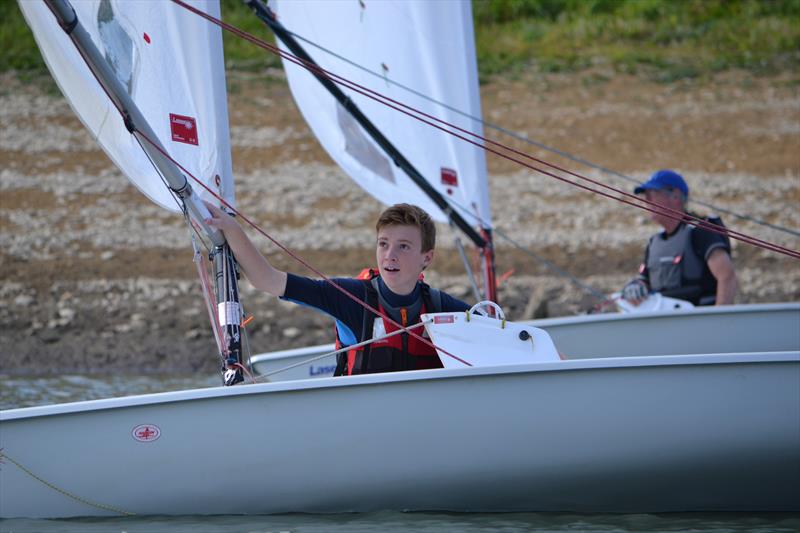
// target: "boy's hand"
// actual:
[[220, 219], [255, 266]]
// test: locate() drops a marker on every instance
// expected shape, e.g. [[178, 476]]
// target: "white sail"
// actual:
[[426, 46], [170, 61]]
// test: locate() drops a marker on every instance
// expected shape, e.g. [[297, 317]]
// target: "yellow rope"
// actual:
[[4, 455]]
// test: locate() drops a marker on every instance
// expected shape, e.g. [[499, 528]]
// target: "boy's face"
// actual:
[[400, 257]]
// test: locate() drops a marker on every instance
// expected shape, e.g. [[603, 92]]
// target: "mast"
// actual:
[[229, 308], [480, 238]]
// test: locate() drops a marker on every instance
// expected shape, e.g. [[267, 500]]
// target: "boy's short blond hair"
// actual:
[[410, 215]]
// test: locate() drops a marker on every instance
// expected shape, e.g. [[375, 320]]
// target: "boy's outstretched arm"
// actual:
[[255, 266]]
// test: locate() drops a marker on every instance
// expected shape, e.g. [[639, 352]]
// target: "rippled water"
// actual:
[[422, 522], [29, 391]]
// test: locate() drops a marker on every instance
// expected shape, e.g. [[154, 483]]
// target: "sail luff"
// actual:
[[137, 125], [135, 122]]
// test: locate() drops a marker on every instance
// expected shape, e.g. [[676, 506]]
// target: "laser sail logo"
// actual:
[[449, 179], [184, 129]]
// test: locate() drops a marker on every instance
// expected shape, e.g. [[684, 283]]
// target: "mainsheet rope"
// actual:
[[417, 114], [595, 293], [527, 140]]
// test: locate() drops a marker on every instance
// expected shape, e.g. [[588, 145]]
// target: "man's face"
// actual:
[[400, 258], [668, 198]]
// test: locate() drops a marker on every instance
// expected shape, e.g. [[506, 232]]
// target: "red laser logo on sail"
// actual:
[[184, 129], [449, 179]]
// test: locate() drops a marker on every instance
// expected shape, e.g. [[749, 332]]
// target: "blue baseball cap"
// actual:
[[663, 179]]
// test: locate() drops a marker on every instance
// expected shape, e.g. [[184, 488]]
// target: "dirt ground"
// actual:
[[96, 279]]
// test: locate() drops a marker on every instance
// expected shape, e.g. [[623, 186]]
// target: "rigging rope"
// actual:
[[68, 494], [627, 198], [559, 271], [210, 300], [527, 140]]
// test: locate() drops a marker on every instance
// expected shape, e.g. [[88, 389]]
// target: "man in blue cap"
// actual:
[[683, 261]]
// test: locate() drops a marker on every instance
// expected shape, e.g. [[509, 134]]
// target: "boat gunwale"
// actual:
[[681, 313], [606, 363]]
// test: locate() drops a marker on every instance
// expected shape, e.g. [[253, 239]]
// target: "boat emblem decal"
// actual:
[[184, 129], [445, 319], [146, 432]]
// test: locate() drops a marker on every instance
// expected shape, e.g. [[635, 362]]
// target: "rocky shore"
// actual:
[[97, 279]]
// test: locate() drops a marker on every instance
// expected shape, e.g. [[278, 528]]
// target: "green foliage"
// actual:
[[20, 52], [241, 54], [16, 40], [505, 11], [665, 39]]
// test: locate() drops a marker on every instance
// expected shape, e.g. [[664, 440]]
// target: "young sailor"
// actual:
[[406, 237], [683, 261]]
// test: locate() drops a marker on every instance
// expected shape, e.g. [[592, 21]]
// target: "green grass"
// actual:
[[21, 54], [241, 54], [16, 40], [664, 39]]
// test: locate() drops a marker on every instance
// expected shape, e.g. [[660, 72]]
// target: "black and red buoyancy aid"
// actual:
[[399, 352]]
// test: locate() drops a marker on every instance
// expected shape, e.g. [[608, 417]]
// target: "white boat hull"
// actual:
[[681, 433], [724, 329]]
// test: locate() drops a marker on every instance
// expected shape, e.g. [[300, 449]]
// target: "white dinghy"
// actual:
[[518, 430], [636, 434]]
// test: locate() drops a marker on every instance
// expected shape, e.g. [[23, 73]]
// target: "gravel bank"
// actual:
[[97, 279]]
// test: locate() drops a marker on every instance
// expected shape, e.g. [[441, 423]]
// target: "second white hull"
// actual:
[[724, 329]]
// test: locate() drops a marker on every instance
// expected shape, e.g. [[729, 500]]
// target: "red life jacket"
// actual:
[[399, 352]]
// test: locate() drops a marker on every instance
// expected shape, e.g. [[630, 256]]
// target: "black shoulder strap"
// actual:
[[371, 298], [367, 326], [431, 298], [718, 222]]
